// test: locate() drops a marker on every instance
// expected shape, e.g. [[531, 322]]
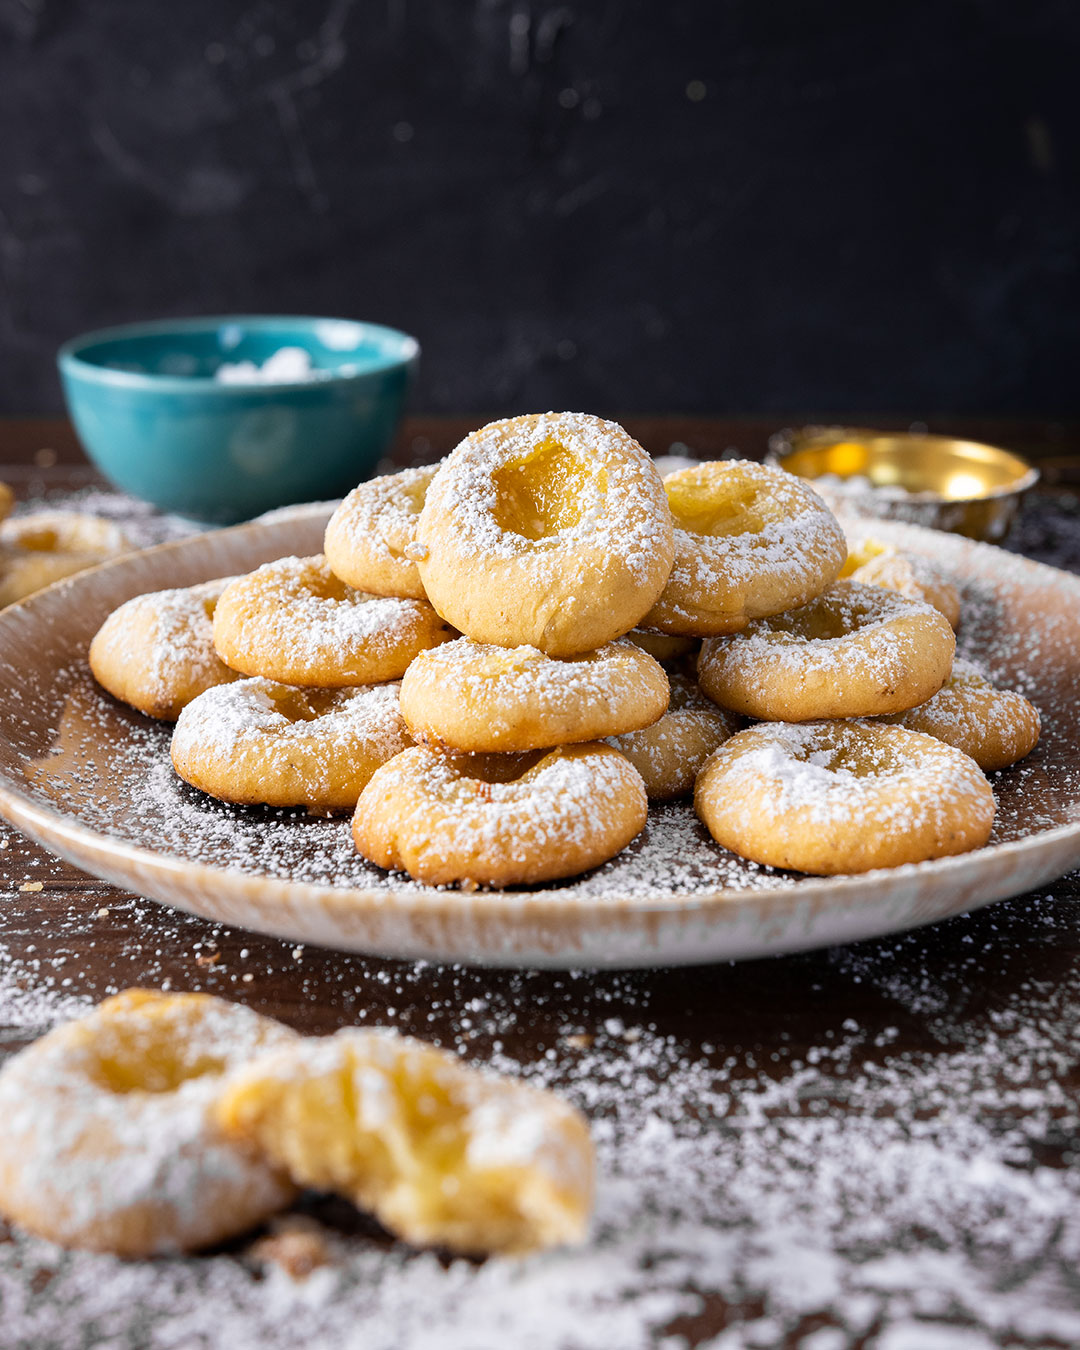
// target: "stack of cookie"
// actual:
[[540, 596]]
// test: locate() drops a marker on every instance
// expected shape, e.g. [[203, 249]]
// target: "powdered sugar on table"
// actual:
[[771, 1164]]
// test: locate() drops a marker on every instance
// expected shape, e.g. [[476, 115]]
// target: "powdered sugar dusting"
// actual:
[[294, 613], [90, 1150], [168, 636], [995, 726], [830, 773], [566, 800], [778, 1189], [520, 691], [378, 518], [782, 538], [621, 501], [863, 642], [234, 718]]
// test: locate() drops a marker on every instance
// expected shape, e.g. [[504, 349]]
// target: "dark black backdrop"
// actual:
[[716, 206]]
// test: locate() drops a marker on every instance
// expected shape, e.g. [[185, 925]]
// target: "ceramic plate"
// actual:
[[91, 780]]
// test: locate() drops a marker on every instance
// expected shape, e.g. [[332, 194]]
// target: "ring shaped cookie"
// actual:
[[550, 531], [371, 535], [156, 652], [441, 1153], [996, 727], [500, 820], [38, 549], [109, 1142], [294, 621], [477, 697], [832, 797], [258, 742], [7, 500], [669, 754], [749, 541], [908, 574], [855, 651]]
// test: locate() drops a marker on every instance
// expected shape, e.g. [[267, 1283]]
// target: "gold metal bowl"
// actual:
[[938, 481]]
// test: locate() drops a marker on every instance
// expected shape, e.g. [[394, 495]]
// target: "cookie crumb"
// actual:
[[295, 1244]]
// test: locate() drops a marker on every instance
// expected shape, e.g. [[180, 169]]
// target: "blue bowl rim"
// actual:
[[70, 362]]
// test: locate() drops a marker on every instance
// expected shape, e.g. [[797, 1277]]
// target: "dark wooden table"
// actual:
[[870, 1146]]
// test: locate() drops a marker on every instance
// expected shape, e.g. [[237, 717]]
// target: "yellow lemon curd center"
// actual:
[[392, 1130], [323, 585], [864, 553], [40, 540], [151, 1056], [706, 503], [543, 493]]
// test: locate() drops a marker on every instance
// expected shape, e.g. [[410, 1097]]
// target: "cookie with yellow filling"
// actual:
[[38, 549], [854, 651], [834, 797], [109, 1141], [550, 530], [259, 742], [500, 820], [749, 541], [293, 620], [878, 564], [440, 1153]]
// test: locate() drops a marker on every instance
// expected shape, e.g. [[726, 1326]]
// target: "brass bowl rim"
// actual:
[[786, 443]]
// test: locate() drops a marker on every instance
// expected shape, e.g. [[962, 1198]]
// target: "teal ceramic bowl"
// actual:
[[153, 418]]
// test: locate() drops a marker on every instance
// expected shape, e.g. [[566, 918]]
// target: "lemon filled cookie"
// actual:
[[371, 534], [669, 753], [441, 1153], [38, 549], [996, 727], [156, 652], [749, 541], [292, 620], [478, 697], [260, 742], [909, 574], [855, 651], [500, 820], [109, 1140], [834, 797], [550, 531]]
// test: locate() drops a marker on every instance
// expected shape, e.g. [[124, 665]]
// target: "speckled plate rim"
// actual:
[[523, 928]]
